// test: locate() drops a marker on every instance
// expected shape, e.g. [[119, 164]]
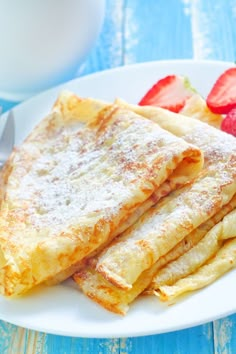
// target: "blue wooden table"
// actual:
[[139, 31]]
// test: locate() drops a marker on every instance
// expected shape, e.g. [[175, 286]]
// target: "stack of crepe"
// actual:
[[130, 199], [84, 174], [187, 239]]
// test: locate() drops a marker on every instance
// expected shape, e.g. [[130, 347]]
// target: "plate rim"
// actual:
[[97, 75], [132, 66]]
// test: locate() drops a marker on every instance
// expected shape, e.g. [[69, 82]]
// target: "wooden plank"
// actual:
[[14, 340], [213, 29], [225, 335], [199, 338], [156, 30], [62, 345]]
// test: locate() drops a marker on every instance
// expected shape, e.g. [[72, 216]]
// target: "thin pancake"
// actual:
[[81, 173], [190, 260], [117, 300], [167, 273], [198, 255], [161, 191], [222, 262], [228, 226], [162, 227]]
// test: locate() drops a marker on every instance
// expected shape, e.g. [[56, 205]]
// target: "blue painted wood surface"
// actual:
[[137, 31]]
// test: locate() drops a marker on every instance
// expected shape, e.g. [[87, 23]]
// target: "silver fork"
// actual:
[[7, 139]]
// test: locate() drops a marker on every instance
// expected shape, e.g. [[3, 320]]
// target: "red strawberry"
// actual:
[[171, 93], [228, 124], [222, 97]]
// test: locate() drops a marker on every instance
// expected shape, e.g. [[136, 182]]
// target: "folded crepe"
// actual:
[[132, 259], [194, 258], [195, 107], [80, 175], [117, 300], [162, 227], [223, 261]]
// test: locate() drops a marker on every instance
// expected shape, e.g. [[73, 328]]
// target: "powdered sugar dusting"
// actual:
[[217, 149], [161, 228], [90, 174]]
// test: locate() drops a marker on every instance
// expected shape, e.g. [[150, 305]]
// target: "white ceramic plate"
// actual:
[[63, 309]]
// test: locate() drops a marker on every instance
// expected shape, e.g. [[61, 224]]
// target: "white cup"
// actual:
[[42, 42]]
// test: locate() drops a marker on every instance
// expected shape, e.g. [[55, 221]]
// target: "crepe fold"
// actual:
[[117, 300], [170, 220], [174, 225], [208, 246], [217, 256], [218, 265], [76, 180]]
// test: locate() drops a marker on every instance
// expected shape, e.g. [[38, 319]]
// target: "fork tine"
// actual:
[[8, 138]]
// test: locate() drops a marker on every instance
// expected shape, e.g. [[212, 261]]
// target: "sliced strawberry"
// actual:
[[228, 124], [222, 97], [171, 93]]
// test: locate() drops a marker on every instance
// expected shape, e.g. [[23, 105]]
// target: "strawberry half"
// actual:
[[222, 97], [170, 93]]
